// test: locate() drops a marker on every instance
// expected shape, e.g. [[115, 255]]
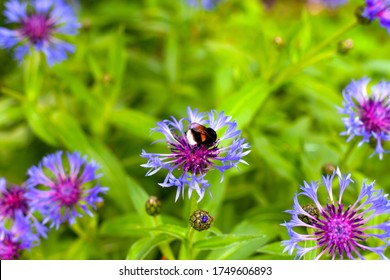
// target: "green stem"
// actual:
[[314, 55], [352, 145], [164, 248], [32, 76], [12, 93], [296, 68], [190, 233], [190, 241], [309, 244], [334, 37]]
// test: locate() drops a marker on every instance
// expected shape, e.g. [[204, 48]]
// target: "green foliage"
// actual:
[[138, 62]]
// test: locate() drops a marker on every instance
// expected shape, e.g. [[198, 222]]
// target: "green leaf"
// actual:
[[68, 130], [266, 231], [77, 87], [274, 249], [141, 248], [274, 159], [133, 122], [126, 225], [78, 250], [114, 176], [226, 240], [245, 104], [172, 230], [40, 125]]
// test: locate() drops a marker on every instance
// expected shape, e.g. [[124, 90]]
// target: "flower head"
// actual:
[[14, 202], [336, 229], [378, 9], [188, 162], [330, 3], [368, 115], [63, 192], [16, 238], [205, 4], [37, 24]]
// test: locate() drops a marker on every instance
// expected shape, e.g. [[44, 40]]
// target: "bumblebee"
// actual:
[[198, 134]]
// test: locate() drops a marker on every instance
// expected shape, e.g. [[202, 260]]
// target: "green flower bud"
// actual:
[[278, 41], [359, 15], [345, 46], [153, 206], [328, 169], [201, 220]]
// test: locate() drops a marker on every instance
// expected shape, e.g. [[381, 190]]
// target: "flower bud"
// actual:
[[328, 169], [345, 46], [153, 206], [201, 220], [360, 17], [278, 42]]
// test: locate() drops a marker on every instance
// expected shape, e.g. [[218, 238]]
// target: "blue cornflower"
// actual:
[[378, 9], [332, 3], [16, 236], [205, 4], [37, 24], [64, 193], [368, 115], [14, 201], [188, 162], [335, 229]]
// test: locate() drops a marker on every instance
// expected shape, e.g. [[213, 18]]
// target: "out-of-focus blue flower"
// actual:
[[378, 9], [17, 237], [331, 3], [62, 192], [14, 201], [368, 115], [36, 25], [337, 230], [205, 4], [188, 164]]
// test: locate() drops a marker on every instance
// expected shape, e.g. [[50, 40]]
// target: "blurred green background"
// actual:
[[139, 62]]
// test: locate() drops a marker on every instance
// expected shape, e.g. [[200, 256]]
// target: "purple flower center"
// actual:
[[195, 159], [339, 231], [375, 116], [205, 219], [37, 28], [10, 250], [12, 201], [67, 192]]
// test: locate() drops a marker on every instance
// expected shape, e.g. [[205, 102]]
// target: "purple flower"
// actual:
[[368, 115], [36, 25], [205, 4], [378, 9], [335, 229], [330, 3], [17, 237], [188, 162], [14, 201], [64, 193]]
